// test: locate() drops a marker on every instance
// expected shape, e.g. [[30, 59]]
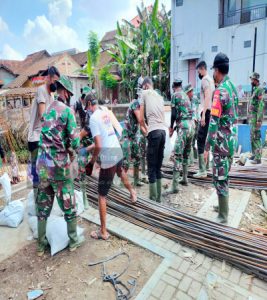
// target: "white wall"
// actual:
[[195, 28]]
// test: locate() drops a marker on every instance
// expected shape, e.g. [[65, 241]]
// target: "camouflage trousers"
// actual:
[[64, 192], [221, 169], [255, 137], [182, 147], [143, 146], [131, 152]]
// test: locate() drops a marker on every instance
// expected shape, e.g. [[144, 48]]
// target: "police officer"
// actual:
[[222, 134], [255, 118], [59, 141], [181, 114]]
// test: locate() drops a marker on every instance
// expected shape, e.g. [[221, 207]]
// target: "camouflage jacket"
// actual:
[[256, 106], [183, 107], [59, 135], [131, 125], [195, 108], [222, 134]]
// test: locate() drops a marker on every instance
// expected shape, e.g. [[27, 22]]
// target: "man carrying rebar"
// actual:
[[182, 115], [222, 134], [130, 140], [207, 89], [43, 98], [108, 149], [59, 141], [256, 107]]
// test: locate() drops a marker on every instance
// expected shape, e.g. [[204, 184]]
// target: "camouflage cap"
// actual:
[[255, 75], [86, 90], [66, 83], [188, 88]]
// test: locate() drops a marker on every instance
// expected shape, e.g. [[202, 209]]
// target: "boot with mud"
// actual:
[[184, 181], [42, 242], [174, 189], [75, 241], [153, 191], [202, 173], [137, 181], [223, 209]]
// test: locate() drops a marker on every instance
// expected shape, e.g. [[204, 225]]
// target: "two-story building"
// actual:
[[203, 28]]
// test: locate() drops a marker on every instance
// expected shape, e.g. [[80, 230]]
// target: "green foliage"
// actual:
[[144, 50], [107, 78]]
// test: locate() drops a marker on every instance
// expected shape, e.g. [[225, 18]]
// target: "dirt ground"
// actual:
[[68, 276]]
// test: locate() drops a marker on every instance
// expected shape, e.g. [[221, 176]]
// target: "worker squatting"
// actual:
[[56, 145]]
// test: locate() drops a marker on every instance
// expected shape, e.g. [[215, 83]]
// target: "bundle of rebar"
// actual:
[[244, 250], [239, 177]]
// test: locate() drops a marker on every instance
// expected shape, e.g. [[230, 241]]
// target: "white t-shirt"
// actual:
[[101, 125], [35, 127]]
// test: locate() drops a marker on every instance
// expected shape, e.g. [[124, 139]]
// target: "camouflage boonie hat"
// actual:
[[188, 88], [255, 75], [86, 90], [66, 83]]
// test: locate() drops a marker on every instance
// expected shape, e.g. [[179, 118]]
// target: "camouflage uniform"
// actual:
[[53, 164], [255, 119], [185, 128], [130, 137], [142, 145], [196, 117], [222, 134]]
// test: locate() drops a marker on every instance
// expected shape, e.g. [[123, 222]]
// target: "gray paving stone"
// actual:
[[159, 288], [235, 276], [258, 291], [169, 245], [170, 280], [152, 298], [240, 297], [199, 258], [176, 248], [168, 293], [176, 262], [220, 296], [185, 283], [194, 289], [162, 238], [207, 263], [260, 283], [184, 266], [175, 274], [195, 275], [226, 291], [182, 296], [157, 242]]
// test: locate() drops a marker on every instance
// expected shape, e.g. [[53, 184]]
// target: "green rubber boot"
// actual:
[[153, 191], [195, 153], [137, 181], [223, 209], [184, 181], [191, 158], [175, 184], [208, 163], [83, 190], [42, 241], [202, 173], [75, 241], [35, 194], [159, 190]]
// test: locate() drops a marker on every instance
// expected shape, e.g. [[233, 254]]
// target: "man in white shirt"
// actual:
[[108, 148], [206, 93], [43, 98]]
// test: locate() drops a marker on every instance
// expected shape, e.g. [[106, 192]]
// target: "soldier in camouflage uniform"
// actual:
[[255, 118], [58, 142], [222, 134], [130, 140], [181, 114], [196, 118]]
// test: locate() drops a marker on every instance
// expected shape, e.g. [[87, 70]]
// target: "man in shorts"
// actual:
[[108, 149]]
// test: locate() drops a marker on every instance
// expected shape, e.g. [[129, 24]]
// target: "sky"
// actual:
[[31, 25]]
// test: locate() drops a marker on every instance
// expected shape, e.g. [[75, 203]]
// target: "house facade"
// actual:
[[201, 29]]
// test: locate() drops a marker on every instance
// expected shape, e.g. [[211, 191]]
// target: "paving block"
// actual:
[[259, 291], [194, 289], [176, 262], [182, 296], [176, 248], [168, 293], [260, 283], [195, 275], [159, 288], [183, 268], [235, 276], [175, 274], [185, 283], [170, 280]]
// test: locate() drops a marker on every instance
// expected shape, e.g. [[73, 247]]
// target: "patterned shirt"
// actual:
[[256, 105], [222, 134], [59, 134], [131, 123], [183, 107]]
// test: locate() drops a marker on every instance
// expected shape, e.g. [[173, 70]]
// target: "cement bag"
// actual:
[[79, 202], [5, 182], [32, 220], [57, 235], [31, 208], [12, 215]]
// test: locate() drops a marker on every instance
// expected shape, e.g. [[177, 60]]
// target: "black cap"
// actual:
[[177, 81], [91, 97], [220, 59], [51, 71]]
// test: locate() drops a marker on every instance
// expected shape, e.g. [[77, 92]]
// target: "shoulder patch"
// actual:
[[216, 109]]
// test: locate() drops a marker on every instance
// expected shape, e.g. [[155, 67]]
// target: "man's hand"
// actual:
[[206, 155], [202, 122], [171, 130]]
